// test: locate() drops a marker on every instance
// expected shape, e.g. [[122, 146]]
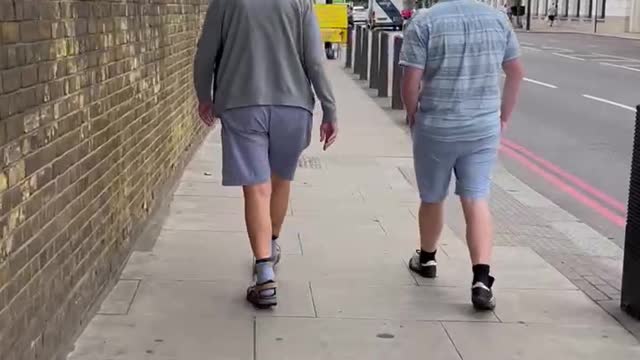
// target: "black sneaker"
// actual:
[[482, 295], [426, 270]]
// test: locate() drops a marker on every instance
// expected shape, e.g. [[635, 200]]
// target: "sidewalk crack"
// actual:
[[255, 338], [300, 244], [313, 300], [451, 340]]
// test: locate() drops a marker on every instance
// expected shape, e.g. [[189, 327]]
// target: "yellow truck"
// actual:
[[334, 26]]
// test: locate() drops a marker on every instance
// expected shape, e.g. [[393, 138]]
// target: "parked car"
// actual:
[[359, 14]]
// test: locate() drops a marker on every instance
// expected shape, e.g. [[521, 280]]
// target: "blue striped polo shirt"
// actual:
[[461, 46]]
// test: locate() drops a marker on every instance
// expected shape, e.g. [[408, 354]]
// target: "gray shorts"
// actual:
[[259, 141]]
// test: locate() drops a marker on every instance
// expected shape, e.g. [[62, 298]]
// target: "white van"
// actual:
[[385, 13]]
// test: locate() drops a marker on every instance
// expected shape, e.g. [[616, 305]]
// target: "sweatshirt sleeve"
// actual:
[[313, 63], [208, 46]]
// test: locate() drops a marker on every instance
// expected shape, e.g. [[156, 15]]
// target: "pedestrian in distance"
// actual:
[[509, 11], [256, 68], [453, 56], [552, 13]]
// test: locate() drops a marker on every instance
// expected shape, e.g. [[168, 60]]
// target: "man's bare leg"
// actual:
[[280, 190], [257, 216], [480, 241], [479, 230], [430, 221]]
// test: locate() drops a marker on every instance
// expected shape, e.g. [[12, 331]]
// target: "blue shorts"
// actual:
[[258, 141], [471, 161]]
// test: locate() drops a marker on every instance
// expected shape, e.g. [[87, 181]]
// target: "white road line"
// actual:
[[557, 48], [527, 43], [601, 59], [531, 48], [610, 102], [595, 56], [568, 56], [617, 57], [540, 83], [620, 67]]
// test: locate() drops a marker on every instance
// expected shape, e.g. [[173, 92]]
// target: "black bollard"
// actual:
[[349, 48], [357, 51], [375, 56], [364, 65], [383, 68], [630, 301], [396, 99]]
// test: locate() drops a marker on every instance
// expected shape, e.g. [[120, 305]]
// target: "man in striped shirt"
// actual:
[[453, 55]]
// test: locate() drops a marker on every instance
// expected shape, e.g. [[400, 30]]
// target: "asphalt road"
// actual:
[[572, 133]]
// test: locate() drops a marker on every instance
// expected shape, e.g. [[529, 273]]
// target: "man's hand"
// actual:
[[206, 113], [328, 134]]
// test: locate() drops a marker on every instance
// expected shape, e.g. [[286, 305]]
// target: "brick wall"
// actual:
[[96, 117]]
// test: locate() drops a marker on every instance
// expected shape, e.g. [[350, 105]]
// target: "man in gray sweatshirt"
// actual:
[[264, 60]]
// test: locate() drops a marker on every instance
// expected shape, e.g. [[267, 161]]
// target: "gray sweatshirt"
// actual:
[[262, 52]]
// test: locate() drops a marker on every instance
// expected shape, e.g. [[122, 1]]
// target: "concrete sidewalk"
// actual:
[[345, 291]]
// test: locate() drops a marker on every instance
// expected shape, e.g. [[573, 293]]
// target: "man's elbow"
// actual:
[[514, 69], [411, 78]]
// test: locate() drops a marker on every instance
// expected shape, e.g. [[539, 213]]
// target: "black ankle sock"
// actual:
[[426, 256], [274, 237], [259, 261], [481, 273]]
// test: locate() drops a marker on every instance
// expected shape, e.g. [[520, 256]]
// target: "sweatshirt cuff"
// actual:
[[329, 116]]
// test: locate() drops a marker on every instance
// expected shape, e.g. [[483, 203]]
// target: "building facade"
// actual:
[[614, 16]]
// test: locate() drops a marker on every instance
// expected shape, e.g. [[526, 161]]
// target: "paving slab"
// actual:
[[551, 306], [207, 205], [120, 298], [207, 189], [165, 337], [613, 308], [217, 299], [332, 228], [334, 339], [395, 303], [205, 174], [205, 222], [538, 341], [193, 255], [345, 269]]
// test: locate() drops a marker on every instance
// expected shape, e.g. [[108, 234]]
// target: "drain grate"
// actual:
[[309, 162]]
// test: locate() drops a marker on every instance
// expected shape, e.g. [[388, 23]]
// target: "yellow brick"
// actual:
[[9, 32], [16, 173], [26, 190], [3, 182]]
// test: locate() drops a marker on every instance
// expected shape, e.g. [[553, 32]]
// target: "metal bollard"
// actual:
[[630, 301], [375, 56], [396, 99], [349, 48], [357, 50], [383, 68], [364, 65]]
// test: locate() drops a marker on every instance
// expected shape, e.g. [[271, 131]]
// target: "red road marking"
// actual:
[[613, 203], [568, 189]]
